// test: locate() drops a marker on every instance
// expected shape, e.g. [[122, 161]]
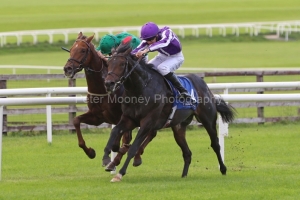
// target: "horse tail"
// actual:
[[226, 111]]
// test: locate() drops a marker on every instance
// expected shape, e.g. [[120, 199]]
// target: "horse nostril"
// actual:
[[67, 69], [109, 84]]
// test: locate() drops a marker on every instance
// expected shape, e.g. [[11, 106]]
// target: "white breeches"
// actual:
[[166, 64]]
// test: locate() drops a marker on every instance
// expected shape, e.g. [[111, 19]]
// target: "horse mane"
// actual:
[[123, 47]]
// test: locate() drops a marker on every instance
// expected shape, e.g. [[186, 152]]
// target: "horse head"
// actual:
[[80, 55], [118, 67]]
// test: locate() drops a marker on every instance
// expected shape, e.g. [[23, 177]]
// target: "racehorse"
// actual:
[[102, 107], [141, 81]]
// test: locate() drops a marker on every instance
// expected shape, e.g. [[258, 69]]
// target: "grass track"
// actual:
[[198, 54], [262, 163]]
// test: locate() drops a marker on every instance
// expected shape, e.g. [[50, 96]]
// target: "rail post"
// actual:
[[1, 128], [3, 85], [72, 108], [223, 131], [49, 121], [260, 110]]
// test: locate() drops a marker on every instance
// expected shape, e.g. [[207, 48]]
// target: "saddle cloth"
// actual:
[[178, 102]]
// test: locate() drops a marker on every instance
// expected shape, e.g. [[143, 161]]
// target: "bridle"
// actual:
[[125, 76], [81, 64], [83, 60]]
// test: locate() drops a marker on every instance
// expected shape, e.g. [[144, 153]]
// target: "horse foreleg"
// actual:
[[126, 139], [137, 158], [123, 127], [87, 118], [131, 152]]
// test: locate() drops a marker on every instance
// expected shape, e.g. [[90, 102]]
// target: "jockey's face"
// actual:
[[151, 40]]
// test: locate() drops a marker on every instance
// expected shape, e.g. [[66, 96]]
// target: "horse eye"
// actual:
[[83, 51]]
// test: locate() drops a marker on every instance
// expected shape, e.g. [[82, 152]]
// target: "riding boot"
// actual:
[[174, 80]]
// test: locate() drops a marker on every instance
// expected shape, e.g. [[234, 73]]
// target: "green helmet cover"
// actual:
[[106, 43], [135, 41]]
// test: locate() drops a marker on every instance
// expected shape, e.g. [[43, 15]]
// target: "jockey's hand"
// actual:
[[142, 53]]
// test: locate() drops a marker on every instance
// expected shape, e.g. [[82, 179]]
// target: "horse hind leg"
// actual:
[[211, 128], [179, 135]]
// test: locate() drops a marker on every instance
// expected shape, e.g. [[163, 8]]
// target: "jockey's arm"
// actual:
[[102, 56]]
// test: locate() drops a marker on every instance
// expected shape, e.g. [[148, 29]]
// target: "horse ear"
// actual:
[[90, 38], [79, 35], [128, 51]]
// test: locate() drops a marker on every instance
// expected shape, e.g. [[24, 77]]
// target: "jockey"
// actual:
[[169, 57], [110, 41]]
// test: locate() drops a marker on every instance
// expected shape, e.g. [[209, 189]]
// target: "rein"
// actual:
[[124, 77]]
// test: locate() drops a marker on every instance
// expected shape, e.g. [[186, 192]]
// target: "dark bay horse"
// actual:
[[101, 105], [152, 111]]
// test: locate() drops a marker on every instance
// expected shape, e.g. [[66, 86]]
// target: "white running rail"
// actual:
[[253, 28]]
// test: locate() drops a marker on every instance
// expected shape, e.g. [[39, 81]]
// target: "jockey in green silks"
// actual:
[[110, 41]]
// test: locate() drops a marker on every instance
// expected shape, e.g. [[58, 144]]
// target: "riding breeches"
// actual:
[[166, 64]]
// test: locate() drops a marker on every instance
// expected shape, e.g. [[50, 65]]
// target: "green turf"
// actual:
[[215, 52], [198, 54], [262, 162], [36, 14]]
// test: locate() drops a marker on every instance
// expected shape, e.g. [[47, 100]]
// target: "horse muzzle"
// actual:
[[110, 86], [69, 72]]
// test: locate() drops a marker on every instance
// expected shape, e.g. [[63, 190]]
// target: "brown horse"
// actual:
[[102, 107], [143, 83]]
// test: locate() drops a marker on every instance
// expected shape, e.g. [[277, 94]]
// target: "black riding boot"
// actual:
[[183, 92]]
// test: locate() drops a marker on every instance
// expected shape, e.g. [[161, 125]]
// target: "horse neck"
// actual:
[[138, 79], [94, 74]]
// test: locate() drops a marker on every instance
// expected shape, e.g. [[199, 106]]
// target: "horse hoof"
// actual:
[[117, 178], [105, 161], [110, 167], [223, 171], [92, 153], [137, 162]]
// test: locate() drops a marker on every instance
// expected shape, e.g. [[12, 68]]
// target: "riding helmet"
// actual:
[[107, 42], [149, 30]]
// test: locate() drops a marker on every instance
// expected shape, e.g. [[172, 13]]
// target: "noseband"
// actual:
[[125, 76]]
